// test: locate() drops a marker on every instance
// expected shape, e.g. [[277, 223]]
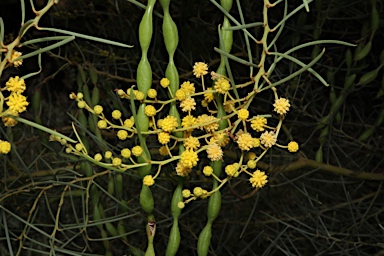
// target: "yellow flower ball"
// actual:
[[116, 161], [268, 139], [139, 95], [200, 69], [169, 123], [209, 95], [293, 146], [243, 114], [197, 191], [126, 153], [80, 95], [222, 86], [164, 137], [116, 114], [208, 170], [108, 154], [188, 104], [78, 147], [186, 193], [102, 124], [15, 84], [148, 180], [129, 123], [231, 170], [137, 151], [258, 179], [163, 151], [150, 110], [152, 93], [251, 155], [189, 158], [98, 109], [98, 157], [5, 147], [251, 164], [122, 134], [180, 95], [181, 205], [245, 141], [164, 82], [281, 106], [191, 143], [81, 104], [258, 123], [214, 152]]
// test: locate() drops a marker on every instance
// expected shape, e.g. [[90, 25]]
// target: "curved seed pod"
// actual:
[[93, 75], [365, 135], [348, 58], [95, 96], [174, 239], [363, 52], [349, 81], [214, 205], [370, 76], [204, 240], [111, 229], [319, 155]]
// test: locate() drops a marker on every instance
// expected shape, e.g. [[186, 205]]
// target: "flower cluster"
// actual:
[[196, 132]]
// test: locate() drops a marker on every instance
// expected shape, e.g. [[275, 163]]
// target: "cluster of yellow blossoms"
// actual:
[[201, 135]]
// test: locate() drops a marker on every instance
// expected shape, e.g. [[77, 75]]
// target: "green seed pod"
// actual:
[[111, 184], [121, 229], [319, 155], [174, 239], [315, 51], [176, 198], [363, 52], [87, 95], [119, 185], [81, 77], [97, 216], [330, 76], [349, 81], [95, 96], [204, 240], [92, 124], [332, 95], [111, 229], [146, 199], [93, 75], [348, 58], [365, 135], [323, 135], [83, 121], [214, 205], [375, 19], [369, 77]]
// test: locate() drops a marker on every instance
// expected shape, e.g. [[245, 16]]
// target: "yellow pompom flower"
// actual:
[[164, 137], [137, 151], [197, 191], [164, 82], [98, 109], [209, 95], [17, 103], [15, 55], [245, 141], [15, 84], [258, 123], [126, 153], [188, 121], [258, 179], [208, 170], [150, 110], [200, 69], [129, 123], [221, 138], [116, 161], [116, 114], [152, 93], [80, 95], [122, 134], [293, 146], [222, 85], [251, 164], [78, 147], [163, 151], [243, 114], [205, 122], [181, 205], [180, 95], [268, 139], [5, 147], [98, 157], [81, 104], [186, 193], [191, 143], [188, 104], [102, 124], [169, 124], [148, 180], [256, 142], [251, 155], [182, 170], [108, 154], [231, 170], [9, 121], [188, 88], [281, 106], [214, 152], [189, 158], [138, 95]]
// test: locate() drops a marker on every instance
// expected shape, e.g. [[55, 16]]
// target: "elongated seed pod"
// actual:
[[370, 76], [214, 202], [363, 52], [319, 155], [366, 134], [375, 19], [93, 75]]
